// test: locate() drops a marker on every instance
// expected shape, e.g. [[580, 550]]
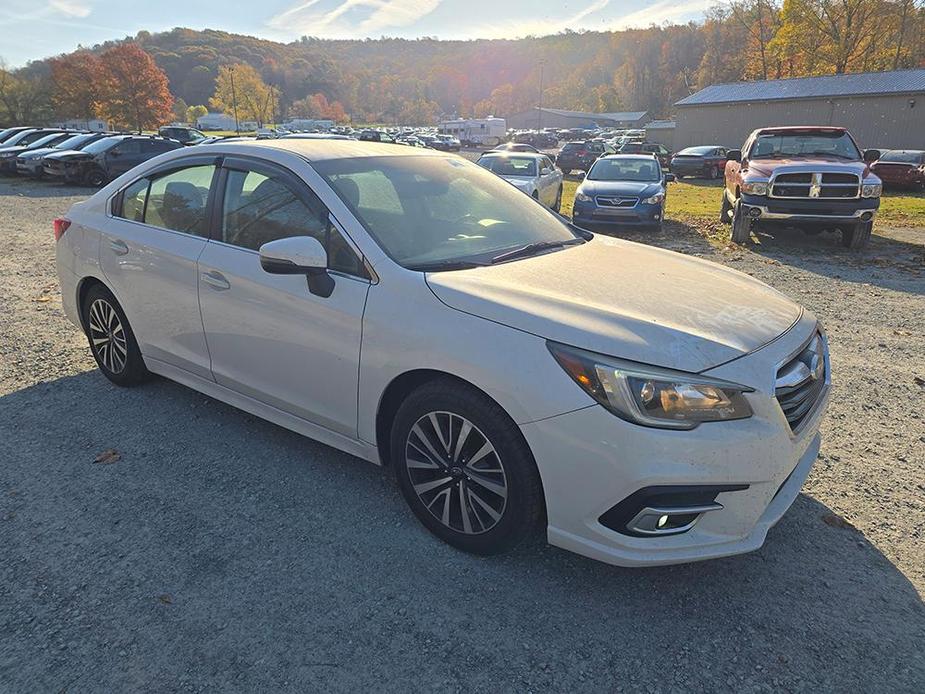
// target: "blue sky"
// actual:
[[31, 29]]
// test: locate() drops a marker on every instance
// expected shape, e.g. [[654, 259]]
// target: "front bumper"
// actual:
[[8, 165], [29, 167], [590, 460], [641, 214], [816, 210]]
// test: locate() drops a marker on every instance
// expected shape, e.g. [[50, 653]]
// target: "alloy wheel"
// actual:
[[107, 336], [456, 473]]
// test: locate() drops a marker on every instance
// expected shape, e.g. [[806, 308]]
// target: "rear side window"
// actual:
[[177, 200], [133, 201]]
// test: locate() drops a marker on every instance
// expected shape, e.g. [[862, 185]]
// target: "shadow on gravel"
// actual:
[[221, 552], [40, 188]]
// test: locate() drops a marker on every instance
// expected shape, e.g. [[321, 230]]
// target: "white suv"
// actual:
[[413, 309]]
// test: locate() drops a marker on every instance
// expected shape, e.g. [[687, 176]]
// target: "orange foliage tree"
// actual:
[[134, 89], [77, 85]]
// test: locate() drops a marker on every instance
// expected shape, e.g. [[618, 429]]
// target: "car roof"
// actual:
[[322, 150], [642, 157], [509, 155]]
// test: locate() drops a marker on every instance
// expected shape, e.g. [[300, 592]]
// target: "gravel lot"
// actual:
[[222, 553]]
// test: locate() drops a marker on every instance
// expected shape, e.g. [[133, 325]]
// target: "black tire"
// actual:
[[96, 177], [536, 195], [518, 513], [713, 174], [725, 210], [132, 370], [741, 225], [557, 206], [857, 236]]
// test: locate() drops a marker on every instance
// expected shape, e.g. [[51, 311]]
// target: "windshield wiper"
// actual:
[[439, 265], [532, 248]]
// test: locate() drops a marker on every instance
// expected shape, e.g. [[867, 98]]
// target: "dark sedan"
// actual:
[[708, 161], [581, 155], [9, 153], [31, 161], [901, 168]]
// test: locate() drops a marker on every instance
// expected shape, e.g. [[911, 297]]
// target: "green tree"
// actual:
[[240, 88]]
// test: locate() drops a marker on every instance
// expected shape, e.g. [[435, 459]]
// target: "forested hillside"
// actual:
[[415, 81]]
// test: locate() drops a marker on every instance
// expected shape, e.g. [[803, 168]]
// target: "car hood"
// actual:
[[766, 167], [519, 181], [70, 154], [642, 189], [15, 148], [626, 300], [36, 153]]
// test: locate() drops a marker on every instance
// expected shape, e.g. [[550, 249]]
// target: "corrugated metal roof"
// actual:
[[660, 125], [629, 115], [867, 83]]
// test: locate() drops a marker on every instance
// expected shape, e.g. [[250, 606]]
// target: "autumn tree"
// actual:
[[25, 96], [194, 113], [318, 106], [77, 80], [240, 91], [134, 89], [179, 111]]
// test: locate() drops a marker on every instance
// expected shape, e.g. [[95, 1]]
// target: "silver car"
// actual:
[[534, 174], [515, 372]]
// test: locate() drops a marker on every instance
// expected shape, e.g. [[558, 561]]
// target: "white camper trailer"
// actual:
[[489, 132]]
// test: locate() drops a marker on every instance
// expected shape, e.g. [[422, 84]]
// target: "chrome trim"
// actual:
[[793, 378], [616, 198], [815, 185], [856, 215], [657, 511]]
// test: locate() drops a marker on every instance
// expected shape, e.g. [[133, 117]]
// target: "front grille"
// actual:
[[604, 201], [802, 381], [815, 185]]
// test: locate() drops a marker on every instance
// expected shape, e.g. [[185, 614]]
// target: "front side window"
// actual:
[[259, 208], [433, 210], [127, 147], [177, 200]]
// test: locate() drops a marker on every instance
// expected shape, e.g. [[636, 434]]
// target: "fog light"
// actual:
[[754, 212], [662, 521], [867, 216]]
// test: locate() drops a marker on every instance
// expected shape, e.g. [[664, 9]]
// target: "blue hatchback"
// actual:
[[623, 189]]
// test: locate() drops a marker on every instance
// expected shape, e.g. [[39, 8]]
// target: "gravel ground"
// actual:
[[222, 553]]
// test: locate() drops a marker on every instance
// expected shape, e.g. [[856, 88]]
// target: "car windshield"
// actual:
[[696, 151], [26, 137], [903, 157], [73, 142], [432, 211], [101, 145], [510, 166], [798, 144], [617, 169], [569, 146], [42, 141]]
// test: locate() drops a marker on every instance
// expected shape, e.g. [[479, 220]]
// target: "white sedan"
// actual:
[[413, 309], [534, 174]]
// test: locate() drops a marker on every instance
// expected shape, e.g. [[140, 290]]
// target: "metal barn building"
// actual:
[[559, 118], [884, 110]]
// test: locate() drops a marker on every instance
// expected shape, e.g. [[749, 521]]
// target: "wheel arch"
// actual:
[[84, 286]]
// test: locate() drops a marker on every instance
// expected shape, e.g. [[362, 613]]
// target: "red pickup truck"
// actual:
[[815, 178]]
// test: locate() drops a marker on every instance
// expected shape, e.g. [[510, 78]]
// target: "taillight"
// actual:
[[61, 225], [582, 152]]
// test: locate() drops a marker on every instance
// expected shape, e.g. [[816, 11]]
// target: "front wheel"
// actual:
[[464, 468], [714, 173], [857, 236], [111, 339], [96, 178], [725, 210], [741, 225], [557, 206]]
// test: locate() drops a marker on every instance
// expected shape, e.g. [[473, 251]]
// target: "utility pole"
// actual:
[[539, 110], [234, 103]]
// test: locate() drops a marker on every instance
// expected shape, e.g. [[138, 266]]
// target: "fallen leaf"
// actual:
[[902, 332], [837, 521], [44, 299], [107, 457], [166, 598]]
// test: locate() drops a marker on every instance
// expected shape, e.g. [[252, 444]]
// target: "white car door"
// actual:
[[148, 254], [548, 182], [269, 337]]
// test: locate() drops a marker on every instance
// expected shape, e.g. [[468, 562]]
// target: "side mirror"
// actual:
[[871, 155], [669, 178], [299, 255], [734, 155]]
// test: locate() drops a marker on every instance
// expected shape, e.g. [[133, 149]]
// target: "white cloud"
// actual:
[[71, 8], [663, 11], [308, 17], [539, 26]]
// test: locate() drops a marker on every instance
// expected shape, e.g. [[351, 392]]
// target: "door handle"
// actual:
[[118, 246], [216, 280]]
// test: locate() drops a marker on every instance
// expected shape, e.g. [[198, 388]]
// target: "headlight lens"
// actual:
[[755, 187], [581, 197], [652, 396], [655, 199], [871, 190]]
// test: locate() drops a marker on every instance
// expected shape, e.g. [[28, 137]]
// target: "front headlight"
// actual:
[[7, 155], [581, 197], [755, 187], [652, 396], [871, 190], [654, 200]]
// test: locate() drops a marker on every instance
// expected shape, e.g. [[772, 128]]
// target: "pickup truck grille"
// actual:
[[802, 381], [815, 185]]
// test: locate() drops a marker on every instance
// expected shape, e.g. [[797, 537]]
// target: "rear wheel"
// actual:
[[857, 236], [464, 468], [111, 339], [741, 224]]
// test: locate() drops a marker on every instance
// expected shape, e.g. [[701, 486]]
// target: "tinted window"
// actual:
[[101, 145], [158, 146], [127, 147], [258, 209], [177, 200], [133, 200], [903, 157]]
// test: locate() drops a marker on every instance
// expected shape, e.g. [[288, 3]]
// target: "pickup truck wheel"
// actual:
[[741, 225], [725, 210], [856, 237]]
